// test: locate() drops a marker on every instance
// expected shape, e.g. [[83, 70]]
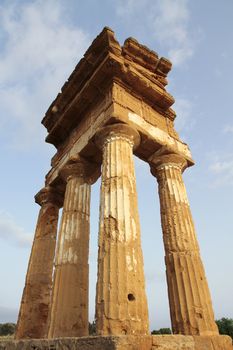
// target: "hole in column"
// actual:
[[131, 297]]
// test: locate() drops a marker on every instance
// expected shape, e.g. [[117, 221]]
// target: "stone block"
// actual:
[[172, 342], [124, 342], [218, 342], [82, 343]]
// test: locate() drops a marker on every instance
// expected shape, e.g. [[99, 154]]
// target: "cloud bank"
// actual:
[[228, 129], [39, 50], [12, 232], [222, 169], [168, 22]]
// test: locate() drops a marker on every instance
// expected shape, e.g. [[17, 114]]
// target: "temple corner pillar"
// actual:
[[35, 304], [189, 297]]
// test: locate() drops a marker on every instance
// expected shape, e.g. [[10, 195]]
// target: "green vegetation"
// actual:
[[162, 331], [92, 328], [7, 329], [225, 326]]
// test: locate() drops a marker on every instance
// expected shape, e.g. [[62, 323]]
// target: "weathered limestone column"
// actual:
[[34, 309], [189, 297], [121, 305], [69, 312]]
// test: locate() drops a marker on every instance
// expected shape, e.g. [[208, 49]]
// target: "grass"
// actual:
[[6, 337]]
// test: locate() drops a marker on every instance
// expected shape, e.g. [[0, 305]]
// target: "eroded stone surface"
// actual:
[[121, 306], [69, 310], [222, 342], [131, 84], [156, 342], [189, 297], [34, 309]]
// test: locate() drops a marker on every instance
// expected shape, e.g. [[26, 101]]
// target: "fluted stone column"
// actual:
[[121, 305], [69, 312], [189, 297], [34, 309]]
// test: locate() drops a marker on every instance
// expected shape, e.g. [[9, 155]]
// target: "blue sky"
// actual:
[[40, 43]]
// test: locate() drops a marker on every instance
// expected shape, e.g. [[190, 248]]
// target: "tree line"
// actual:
[[7, 328], [225, 326]]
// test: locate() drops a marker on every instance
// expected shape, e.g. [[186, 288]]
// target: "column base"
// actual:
[[124, 342]]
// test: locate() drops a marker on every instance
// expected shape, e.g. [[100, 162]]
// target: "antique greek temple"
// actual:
[[113, 106]]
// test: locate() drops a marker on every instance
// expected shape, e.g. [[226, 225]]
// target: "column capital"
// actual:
[[161, 162], [49, 194], [117, 131], [80, 168]]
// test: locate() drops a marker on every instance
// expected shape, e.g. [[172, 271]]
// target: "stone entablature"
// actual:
[[104, 62], [113, 84], [114, 106]]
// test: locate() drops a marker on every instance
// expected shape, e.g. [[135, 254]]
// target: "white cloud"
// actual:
[[222, 168], [171, 26], [9, 230], [127, 7], [228, 129], [40, 50], [168, 21]]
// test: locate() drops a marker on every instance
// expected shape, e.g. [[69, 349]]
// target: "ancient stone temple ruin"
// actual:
[[113, 106]]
